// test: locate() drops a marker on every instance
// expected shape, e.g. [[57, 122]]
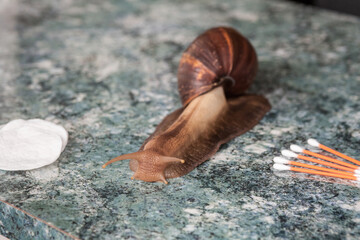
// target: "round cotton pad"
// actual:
[[13, 124], [27, 148], [48, 127]]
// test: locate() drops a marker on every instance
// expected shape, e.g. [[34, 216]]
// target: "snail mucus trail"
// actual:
[[214, 72]]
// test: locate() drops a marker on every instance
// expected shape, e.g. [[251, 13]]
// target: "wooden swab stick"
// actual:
[[283, 167], [297, 148], [315, 143], [285, 161], [288, 153]]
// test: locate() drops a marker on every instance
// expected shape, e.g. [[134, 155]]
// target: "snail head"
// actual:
[[149, 166]]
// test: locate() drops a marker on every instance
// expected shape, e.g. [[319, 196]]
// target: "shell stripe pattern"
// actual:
[[222, 52]]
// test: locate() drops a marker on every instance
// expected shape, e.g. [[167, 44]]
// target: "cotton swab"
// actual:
[[288, 153], [285, 161], [315, 143], [299, 149], [283, 167]]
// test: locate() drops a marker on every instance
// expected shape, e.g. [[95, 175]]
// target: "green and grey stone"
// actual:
[[106, 71]]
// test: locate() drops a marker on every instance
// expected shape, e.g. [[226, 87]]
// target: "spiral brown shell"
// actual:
[[217, 54]]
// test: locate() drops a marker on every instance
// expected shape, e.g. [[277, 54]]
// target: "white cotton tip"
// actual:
[[280, 167], [357, 171], [296, 148], [280, 160], [313, 142], [288, 153]]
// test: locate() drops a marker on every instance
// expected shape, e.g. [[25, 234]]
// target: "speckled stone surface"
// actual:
[[106, 71], [16, 224]]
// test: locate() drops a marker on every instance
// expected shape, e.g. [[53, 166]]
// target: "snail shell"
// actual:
[[218, 54]]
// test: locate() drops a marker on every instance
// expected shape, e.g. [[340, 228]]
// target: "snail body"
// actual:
[[214, 72]]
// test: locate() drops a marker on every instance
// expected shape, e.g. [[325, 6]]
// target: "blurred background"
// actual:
[[344, 6]]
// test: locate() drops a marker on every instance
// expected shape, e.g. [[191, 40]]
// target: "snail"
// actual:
[[213, 74]]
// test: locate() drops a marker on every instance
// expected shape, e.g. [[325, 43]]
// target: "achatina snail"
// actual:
[[214, 72]]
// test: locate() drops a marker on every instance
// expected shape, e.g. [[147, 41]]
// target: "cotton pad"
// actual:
[[13, 124], [30, 144], [47, 126], [51, 127], [28, 148]]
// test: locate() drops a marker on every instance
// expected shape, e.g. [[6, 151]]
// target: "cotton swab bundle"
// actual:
[[288, 153], [299, 149], [285, 161], [342, 169], [283, 167], [315, 143]]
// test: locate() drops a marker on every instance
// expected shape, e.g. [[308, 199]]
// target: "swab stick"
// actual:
[[288, 153], [283, 167], [315, 143], [285, 161], [297, 148]]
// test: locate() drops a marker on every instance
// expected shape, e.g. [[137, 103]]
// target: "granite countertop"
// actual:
[[106, 71]]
